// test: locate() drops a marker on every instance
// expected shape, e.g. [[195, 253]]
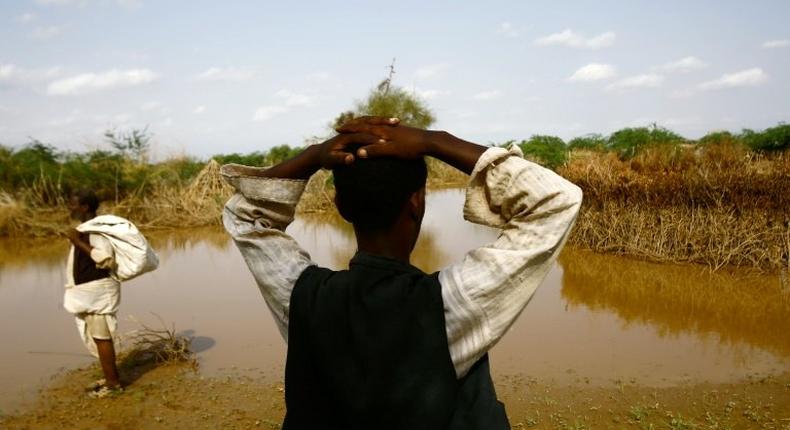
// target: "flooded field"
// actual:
[[596, 319]]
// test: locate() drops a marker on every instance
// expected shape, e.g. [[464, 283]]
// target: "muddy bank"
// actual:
[[176, 397]]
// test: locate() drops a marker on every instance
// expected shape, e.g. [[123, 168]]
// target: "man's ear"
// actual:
[[417, 204]]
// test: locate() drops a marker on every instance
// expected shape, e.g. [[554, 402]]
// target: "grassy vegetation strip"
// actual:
[[716, 205]]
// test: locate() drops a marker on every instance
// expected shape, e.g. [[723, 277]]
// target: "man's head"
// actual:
[[379, 195], [83, 204]]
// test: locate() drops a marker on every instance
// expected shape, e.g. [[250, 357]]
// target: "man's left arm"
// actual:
[[264, 205]]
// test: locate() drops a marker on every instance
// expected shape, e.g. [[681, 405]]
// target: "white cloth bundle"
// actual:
[[133, 255]]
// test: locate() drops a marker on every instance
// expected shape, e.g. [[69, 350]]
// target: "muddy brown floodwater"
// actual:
[[597, 319]]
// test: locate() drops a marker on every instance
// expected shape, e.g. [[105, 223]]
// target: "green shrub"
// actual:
[[593, 142], [628, 141], [719, 138], [549, 151], [771, 139]]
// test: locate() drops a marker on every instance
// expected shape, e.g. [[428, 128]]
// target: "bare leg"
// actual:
[[107, 360]]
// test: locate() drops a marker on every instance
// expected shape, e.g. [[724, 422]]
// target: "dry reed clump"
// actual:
[[36, 211], [197, 204], [155, 346], [717, 205], [735, 307], [319, 194]]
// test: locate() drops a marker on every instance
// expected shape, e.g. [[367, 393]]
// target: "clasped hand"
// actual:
[[370, 137]]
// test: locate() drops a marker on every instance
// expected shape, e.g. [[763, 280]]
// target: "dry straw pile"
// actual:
[[716, 205]]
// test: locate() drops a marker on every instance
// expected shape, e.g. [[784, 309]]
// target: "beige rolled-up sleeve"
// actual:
[[486, 291], [256, 217]]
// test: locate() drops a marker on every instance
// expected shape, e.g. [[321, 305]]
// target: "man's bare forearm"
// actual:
[[302, 166], [456, 152]]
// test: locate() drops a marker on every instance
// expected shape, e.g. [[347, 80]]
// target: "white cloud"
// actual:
[[430, 94], [507, 29], [294, 99], [682, 94], [7, 72], [572, 39], [131, 4], [778, 43], [649, 80], [14, 75], [487, 95], [44, 33], [199, 110], [227, 74], [121, 118], [90, 82], [65, 121], [593, 72], [319, 77], [746, 78], [431, 71], [58, 2], [265, 113], [684, 65], [25, 18], [149, 106]]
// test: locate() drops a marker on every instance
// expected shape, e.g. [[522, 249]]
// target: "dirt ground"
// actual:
[[175, 396]]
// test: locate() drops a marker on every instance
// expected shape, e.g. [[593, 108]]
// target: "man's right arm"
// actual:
[[535, 209]]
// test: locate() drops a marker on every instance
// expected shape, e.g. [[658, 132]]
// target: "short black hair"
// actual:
[[371, 192], [87, 197]]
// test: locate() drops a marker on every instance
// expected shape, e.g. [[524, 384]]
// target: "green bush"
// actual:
[[112, 174], [771, 139], [719, 138], [549, 151], [628, 141], [593, 142]]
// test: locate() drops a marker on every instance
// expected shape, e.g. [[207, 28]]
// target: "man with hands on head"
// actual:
[[382, 344]]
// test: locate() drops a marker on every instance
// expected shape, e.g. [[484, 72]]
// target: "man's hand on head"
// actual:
[[341, 149], [401, 141], [412, 143]]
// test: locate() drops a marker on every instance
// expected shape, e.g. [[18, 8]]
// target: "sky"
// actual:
[[208, 77]]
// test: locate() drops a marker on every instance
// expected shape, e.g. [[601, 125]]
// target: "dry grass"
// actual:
[[197, 204], [156, 346], [716, 206]]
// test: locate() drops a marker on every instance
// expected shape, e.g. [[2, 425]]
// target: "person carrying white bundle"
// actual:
[[105, 250]]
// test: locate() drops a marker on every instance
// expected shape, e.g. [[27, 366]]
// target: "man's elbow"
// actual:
[[575, 194], [570, 196]]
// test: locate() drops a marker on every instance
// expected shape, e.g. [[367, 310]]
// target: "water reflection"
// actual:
[[735, 307], [427, 254], [600, 317]]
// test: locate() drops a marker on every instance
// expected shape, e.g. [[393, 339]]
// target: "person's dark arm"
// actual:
[[263, 206], [330, 153], [74, 236], [410, 143]]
